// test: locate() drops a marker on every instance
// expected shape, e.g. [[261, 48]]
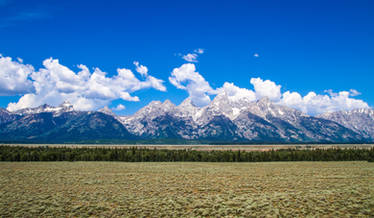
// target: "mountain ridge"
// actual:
[[224, 120]]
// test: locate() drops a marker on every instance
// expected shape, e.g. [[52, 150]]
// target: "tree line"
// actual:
[[136, 154]]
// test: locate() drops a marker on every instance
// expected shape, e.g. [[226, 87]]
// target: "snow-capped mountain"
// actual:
[[64, 107], [108, 111], [6, 116], [359, 120], [48, 124], [225, 119], [228, 119]]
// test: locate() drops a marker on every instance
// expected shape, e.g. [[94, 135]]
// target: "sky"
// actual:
[[316, 56]]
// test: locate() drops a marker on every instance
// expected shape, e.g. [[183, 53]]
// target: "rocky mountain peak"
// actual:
[[64, 107], [360, 120], [153, 109], [167, 104], [107, 110], [187, 103], [3, 110], [265, 101], [66, 104]]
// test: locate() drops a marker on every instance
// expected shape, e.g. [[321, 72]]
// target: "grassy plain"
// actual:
[[183, 189]]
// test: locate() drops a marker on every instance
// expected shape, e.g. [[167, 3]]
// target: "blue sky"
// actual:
[[303, 46]]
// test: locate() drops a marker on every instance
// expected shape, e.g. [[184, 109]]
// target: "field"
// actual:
[[184, 189]]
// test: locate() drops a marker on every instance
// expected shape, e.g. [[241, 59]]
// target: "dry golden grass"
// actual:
[[325, 189]]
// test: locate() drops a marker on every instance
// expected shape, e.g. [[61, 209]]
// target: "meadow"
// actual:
[[187, 189]]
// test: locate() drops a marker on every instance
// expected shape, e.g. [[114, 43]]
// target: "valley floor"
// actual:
[[184, 189]]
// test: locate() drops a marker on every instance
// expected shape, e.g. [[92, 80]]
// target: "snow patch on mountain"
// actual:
[[64, 107], [359, 120]]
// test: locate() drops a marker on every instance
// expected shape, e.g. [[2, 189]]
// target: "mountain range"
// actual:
[[224, 120]]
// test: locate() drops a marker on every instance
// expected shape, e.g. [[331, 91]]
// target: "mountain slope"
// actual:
[[86, 127], [6, 116], [65, 127], [359, 120]]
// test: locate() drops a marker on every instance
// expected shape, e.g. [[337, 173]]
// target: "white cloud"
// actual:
[[311, 103], [354, 92], [14, 77], [192, 57], [119, 107], [256, 55], [185, 77], [143, 70], [199, 51], [235, 93], [56, 83], [266, 88], [314, 104]]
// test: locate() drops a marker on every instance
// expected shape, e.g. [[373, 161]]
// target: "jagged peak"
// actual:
[[155, 107], [43, 106], [368, 111], [167, 102], [4, 110], [106, 110], [221, 97], [46, 108], [154, 103], [157, 104], [237, 102], [362, 110], [264, 101], [187, 103], [66, 103]]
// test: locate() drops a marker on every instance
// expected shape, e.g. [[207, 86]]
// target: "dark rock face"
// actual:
[[6, 116]]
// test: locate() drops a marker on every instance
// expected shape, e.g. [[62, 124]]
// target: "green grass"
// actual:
[[182, 189]]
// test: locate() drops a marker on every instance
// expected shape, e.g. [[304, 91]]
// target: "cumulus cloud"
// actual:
[[119, 107], [256, 55], [14, 77], [236, 93], [192, 57], [185, 77], [266, 88], [311, 103], [314, 104], [86, 90], [55, 83], [143, 70]]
